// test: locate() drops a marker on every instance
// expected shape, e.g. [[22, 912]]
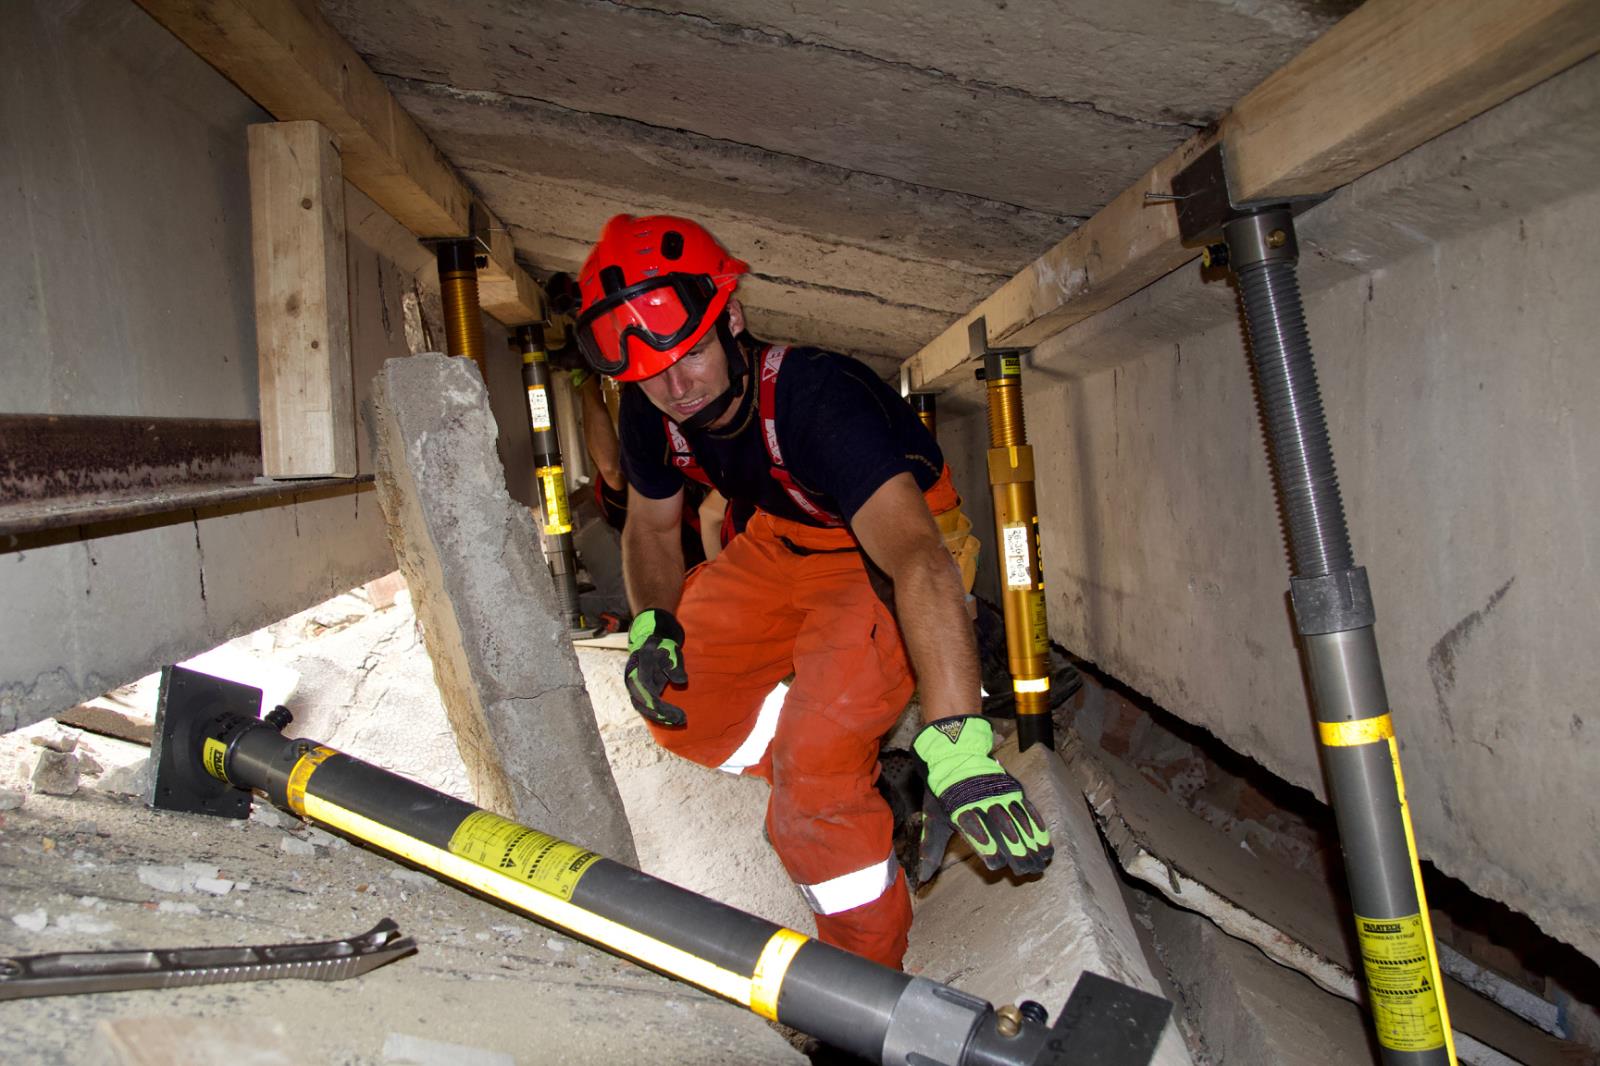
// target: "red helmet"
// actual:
[[651, 288]]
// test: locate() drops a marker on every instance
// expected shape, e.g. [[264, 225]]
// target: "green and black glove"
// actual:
[[975, 795], [655, 660]]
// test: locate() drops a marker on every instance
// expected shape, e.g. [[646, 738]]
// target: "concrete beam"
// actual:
[[288, 59], [1391, 75], [505, 667], [1006, 939]]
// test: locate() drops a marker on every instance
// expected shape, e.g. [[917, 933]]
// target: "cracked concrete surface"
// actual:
[[935, 148]]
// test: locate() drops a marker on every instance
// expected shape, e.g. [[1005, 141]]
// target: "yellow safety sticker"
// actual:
[[523, 896], [539, 407], [1010, 365], [213, 755], [1354, 734], [301, 774], [1038, 624], [557, 517], [1030, 684], [1402, 982], [543, 861], [767, 982]]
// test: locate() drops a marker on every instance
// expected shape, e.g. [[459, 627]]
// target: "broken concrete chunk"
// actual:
[[483, 594], [420, 1051], [88, 765], [165, 878], [268, 816], [33, 921], [296, 846], [196, 870], [10, 799], [62, 742], [56, 773], [412, 877], [82, 924], [215, 886], [325, 840]]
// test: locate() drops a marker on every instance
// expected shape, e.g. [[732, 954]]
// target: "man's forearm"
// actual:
[[599, 436], [652, 567], [931, 606]]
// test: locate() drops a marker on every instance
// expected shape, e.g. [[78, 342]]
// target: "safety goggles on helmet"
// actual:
[[659, 313]]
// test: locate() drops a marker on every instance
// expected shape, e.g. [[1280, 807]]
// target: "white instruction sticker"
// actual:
[[539, 407], [1019, 571]]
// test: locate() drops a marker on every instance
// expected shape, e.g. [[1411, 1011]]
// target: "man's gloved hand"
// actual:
[[969, 789], [655, 659]]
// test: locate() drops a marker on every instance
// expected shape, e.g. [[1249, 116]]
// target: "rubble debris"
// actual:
[[165, 878], [216, 886], [62, 742], [56, 772], [296, 846], [420, 1051], [11, 799], [33, 921]]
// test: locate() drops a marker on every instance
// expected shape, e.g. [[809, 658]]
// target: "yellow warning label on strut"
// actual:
[[213, 756], [543, 861], [557, 517], [1400, 982]]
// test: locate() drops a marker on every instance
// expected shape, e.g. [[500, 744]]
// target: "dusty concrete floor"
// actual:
[[497, 987]]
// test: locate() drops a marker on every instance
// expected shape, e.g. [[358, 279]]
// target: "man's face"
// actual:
[[692, 382]]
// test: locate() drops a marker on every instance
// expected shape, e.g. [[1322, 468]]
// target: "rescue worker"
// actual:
[[845, 482]]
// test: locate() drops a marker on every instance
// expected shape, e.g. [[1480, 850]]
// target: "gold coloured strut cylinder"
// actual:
[[1016, 522], [458, 290]]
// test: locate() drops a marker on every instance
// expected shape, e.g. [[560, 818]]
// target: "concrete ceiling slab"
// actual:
[[882, 165]]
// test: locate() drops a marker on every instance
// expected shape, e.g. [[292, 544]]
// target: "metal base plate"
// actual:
[[189, 706]]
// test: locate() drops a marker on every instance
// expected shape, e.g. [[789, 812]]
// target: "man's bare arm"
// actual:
[[652, 552], [599, 435], [899, 534]]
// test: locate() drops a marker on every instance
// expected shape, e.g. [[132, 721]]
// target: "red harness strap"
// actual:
[[682, 455], [771, 363]]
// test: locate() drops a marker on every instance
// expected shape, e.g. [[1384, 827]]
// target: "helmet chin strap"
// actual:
[[738, 375]]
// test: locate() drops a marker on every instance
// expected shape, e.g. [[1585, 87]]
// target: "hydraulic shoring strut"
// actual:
[[210, 751]]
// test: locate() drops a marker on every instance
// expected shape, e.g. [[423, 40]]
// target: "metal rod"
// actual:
[[458, 287], [1334, 617], [1016, 522], [549, 472]]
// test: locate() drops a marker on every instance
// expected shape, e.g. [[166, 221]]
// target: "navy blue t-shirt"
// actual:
[[843, 433]]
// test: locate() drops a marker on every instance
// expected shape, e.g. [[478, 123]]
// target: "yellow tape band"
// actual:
[[1422, 899], [1030, 684], [303, 769], [558, 519], [770, 970], [542, 905], [1354, 734], [213, 755]]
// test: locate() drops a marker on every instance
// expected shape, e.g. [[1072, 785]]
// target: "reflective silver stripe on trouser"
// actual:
[[755, 745], [854, 889]]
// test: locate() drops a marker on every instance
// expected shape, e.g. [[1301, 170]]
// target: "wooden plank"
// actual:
[[308, 417], [286, 57], [1393, 74], [1389, 76]]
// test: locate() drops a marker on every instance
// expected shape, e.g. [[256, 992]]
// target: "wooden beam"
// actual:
[[1389, 76], [286, 57], [308, 416]]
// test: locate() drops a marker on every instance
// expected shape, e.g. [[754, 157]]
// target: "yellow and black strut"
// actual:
[[1016, 531], [210, 752], [549, 472]]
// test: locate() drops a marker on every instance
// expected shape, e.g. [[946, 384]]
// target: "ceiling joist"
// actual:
[[1389, 76], [287, 58]]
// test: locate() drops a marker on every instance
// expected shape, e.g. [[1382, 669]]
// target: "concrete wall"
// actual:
[[126, 290], [1452, 307]]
